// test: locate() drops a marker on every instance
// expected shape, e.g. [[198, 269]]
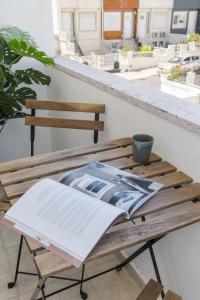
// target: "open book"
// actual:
[[70, 216]]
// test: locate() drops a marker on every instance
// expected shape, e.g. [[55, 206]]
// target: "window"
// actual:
[[88, 21], [187, 59], [195, 58], [179, 19], [159, 20], [112, 21]]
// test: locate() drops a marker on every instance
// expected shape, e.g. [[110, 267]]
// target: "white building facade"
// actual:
[[81, 21], [154, 21]]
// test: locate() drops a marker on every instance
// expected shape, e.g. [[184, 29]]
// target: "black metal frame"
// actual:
[[155, 265], [32, 131], [96, 132], [118, 268]]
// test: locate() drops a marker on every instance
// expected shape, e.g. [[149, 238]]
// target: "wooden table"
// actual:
[[19, 175]]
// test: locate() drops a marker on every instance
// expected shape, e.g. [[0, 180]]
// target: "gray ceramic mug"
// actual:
[[142, 146]]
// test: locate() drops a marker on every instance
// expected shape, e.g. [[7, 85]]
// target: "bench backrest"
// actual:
[[96, 125]]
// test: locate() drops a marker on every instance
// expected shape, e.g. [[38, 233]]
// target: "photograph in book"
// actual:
[[114, 186]]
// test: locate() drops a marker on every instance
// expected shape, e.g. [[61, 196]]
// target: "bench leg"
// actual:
[[82, 293], [12, 284], [39, 288]]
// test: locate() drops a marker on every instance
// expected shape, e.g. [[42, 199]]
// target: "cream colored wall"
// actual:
[[82, 6], [34, 16], [80, 3], [178, 253]]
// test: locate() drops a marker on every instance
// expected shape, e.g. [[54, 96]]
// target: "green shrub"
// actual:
[[145, 48], [176, 73], [194, 37], [127, 49]]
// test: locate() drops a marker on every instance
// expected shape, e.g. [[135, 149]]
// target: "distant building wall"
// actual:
[[81, 20], [184, 18], [119, 18], [156, 4], [154, 21], [187, 5]]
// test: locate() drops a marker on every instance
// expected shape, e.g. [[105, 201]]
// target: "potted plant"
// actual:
[[15, 83]]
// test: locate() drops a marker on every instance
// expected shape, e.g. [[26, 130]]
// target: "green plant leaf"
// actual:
[[8, 108], [30, 76], [13, 33], [11, 104], [7, 56], [9, 78], [24, 49], [24, 93]]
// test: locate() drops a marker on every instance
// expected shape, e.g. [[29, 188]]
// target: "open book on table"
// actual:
[[70, 216]]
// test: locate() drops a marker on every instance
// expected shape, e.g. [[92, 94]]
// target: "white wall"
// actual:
[[156, 20], [180, 90], [178, 253], [34, 16], [156, 3], [192, 21]]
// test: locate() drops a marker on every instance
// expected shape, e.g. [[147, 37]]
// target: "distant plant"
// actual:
[[145, 48], [127, 49], [194, 37], [183, 42], [14, 84], [176, 73]]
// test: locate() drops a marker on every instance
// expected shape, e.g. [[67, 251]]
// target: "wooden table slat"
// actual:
[[50, 264], [168, 198], [4, 206], [63, 165], [61, 155], [169, 180], [159, 168], [16, 190], [173, 179]]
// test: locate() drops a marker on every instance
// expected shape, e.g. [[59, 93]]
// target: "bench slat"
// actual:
[[172, 296], [61, 155], [151, 291], [64, 123], [65, 106], [49, 264]]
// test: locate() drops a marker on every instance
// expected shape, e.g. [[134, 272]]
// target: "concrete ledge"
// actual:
[[178, 111]]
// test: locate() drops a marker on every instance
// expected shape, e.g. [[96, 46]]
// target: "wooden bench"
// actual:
[[152, 291]]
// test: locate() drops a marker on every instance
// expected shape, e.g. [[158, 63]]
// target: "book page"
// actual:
[[62, 216]]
